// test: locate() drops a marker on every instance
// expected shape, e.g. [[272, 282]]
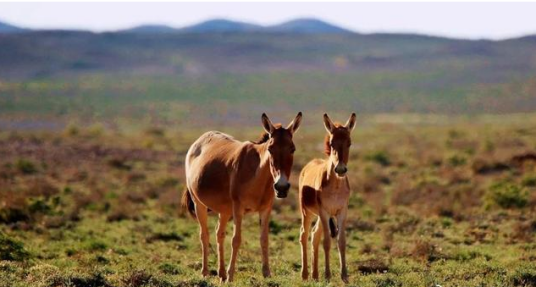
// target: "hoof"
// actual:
[[229, 278], [304, 276], [327, 276], [223, 276]]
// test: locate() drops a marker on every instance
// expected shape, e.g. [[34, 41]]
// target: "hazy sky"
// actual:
[[462, 20]]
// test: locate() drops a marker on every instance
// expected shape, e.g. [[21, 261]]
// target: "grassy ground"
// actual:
[[444, 204]]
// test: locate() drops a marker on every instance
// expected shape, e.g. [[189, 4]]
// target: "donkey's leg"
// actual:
[[201, 214], [304, 237], [265, 220], [324, 217], [341, 220], [220, 236], [237, 238], [317, 234]]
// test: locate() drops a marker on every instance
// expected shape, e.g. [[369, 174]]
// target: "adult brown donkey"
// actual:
[[324, 191], [233, 178]]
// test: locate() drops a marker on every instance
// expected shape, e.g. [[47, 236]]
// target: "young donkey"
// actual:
[[233, 178], [324, 191]]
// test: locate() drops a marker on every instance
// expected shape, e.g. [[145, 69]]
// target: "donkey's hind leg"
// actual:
[[202, 217], [315, 241]]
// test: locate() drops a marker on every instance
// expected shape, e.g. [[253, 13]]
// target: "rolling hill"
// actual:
[[222, 26], [8, 28], [306, 25], [149, 29], [116, 73]]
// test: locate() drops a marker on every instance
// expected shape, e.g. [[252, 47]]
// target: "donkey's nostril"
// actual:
[[282, 187]]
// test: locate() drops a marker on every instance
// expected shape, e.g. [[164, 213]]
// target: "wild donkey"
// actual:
[[324, 191], [233, 178]]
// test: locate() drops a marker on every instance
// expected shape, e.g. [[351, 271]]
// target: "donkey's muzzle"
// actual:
[[341, 169], [281, 189]]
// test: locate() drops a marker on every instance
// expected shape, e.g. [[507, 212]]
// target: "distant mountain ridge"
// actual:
[[222, 25], [307, 25], [8, 28], [296, 26], [299, 26]]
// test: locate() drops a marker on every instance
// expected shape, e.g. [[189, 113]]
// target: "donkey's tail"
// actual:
[[333, 231], [187, 203]]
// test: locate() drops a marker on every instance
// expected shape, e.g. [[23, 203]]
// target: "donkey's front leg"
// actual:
[[237, 239], [341, 220], [220, 239], [304, 237], [315, 242], [324, 217], [265, 220]]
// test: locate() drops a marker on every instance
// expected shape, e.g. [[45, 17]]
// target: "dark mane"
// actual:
[[327, 146], [265, 136]]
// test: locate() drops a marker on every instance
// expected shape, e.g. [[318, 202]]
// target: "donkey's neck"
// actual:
[[264, 155], [331, 176], [264, 164]]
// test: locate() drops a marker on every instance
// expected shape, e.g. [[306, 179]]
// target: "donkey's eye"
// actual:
[[292, 149]]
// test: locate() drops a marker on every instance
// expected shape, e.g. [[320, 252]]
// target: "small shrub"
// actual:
[[155, 132], [380, 157], [119, 163], [524, 231], [137, 279], [124, 211], [529, 180], [72, 130], [387, 281], [169, 236], [94, 280], [275, 227], [95, 245], [12, 250], [13, 214], [524, 276], [170, 269], [506, 195], [26, 166], [425, 250], [467, 255], [457, 160], [372, 266], [95, 130]]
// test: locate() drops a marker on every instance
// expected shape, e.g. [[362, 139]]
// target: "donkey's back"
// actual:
[[208, 168]]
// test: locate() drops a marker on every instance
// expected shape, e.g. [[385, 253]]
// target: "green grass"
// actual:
[[100, 207]]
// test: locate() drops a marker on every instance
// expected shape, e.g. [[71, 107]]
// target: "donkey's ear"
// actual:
[[267, 124], [295, 124], [350, 123], [328, 124]]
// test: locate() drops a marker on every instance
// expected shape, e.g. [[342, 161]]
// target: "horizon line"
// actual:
[[26, 29]]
